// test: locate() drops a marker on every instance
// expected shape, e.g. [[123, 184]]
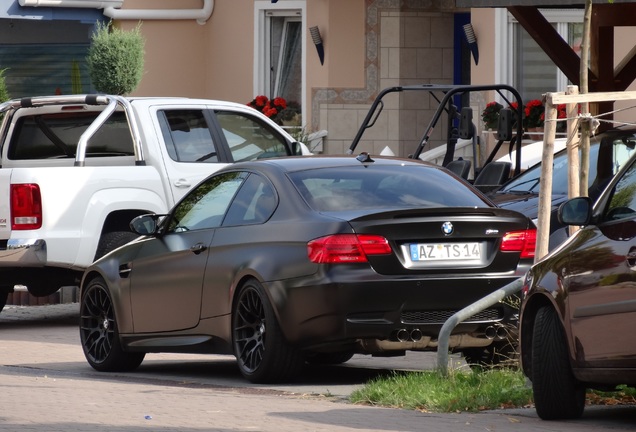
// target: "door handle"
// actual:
[[198, 248], [182, 183]]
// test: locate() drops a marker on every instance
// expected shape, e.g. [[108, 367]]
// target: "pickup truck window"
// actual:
[[55, 136], [187, 136], [250, 138]]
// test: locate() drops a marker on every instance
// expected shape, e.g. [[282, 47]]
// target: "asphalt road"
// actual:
[[46, 385]]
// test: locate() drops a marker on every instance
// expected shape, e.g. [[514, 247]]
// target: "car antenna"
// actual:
[[364, 157]]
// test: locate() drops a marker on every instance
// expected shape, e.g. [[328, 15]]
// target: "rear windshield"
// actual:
[[52, 136], [360, 187]]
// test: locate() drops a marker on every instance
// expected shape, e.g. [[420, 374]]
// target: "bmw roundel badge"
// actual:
[[447, 228]]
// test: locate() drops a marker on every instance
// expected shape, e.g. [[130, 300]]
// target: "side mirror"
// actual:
[[504, 125], [576, 211], [466, 126], [144, 224], [295, 148]]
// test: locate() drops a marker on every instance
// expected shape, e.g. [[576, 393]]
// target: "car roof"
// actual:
[[299, 163]]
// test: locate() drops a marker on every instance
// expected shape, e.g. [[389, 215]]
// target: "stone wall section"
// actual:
[[407, 43]]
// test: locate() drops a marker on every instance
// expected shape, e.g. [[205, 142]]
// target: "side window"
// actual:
[[250, 138], [187, 136], [254, 203], [623, 202], [206, 205]]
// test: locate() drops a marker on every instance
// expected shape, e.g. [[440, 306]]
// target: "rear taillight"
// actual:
[[346, 248], [520, 241], [26, 207]]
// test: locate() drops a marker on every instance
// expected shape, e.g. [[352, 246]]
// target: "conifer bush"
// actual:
[[116, 59]]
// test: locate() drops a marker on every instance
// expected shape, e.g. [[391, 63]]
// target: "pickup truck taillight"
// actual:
[[26, 207]]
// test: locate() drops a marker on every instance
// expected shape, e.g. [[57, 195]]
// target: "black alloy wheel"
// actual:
[[263, 354], [557, 393], [99, 334]]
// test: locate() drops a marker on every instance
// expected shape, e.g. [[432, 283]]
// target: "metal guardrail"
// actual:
[[464, 314]]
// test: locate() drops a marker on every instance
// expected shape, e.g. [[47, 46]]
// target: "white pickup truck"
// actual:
[[76, 169]]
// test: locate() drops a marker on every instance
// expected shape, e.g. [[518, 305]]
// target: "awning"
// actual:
[[11, 9]]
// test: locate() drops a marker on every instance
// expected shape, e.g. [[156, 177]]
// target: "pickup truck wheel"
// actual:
[[557, 393], [99, 333], [112, 240], [263, 354]]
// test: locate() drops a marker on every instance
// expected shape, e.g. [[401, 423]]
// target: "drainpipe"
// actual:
[[111, 9], [90, 4], [201, 15]]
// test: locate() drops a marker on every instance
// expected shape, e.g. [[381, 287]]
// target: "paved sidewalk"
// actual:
[[46, 386]]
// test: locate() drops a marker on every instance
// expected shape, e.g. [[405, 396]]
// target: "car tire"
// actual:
[[557, 393], [112, 240], [99, 332], [263, 354], [334, 358]]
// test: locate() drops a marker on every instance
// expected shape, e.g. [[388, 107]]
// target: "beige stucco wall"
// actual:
[[184, 58], [369, 45]]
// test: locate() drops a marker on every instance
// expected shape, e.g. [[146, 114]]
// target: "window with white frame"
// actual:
[[279, 41], [524, 65]]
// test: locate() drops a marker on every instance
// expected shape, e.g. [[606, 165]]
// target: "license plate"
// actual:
[[445, 251]]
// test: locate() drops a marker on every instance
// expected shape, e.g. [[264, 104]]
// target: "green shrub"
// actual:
[[116, 59], [4, 93]]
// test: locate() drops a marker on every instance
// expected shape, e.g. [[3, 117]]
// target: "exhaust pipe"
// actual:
[[416, 335], [402, 335], [490, 332], [502, 332]]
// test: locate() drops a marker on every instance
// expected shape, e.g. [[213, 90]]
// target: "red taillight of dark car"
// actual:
[[520, 241], [346, 248], [26, 207]]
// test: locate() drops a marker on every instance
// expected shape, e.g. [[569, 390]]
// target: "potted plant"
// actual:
[[490, 115], [271, 108], [535, 114]]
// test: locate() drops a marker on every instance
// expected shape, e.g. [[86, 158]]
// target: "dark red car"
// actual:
[[578, 318]]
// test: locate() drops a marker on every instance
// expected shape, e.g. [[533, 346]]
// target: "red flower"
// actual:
[[532, 104], [561, 111], [280, 102], [261, 101], [271, 108]]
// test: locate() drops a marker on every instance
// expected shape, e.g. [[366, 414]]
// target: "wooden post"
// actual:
[[545, 191], [572, 145]]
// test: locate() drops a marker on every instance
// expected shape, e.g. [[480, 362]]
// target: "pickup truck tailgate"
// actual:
[[5, 205]]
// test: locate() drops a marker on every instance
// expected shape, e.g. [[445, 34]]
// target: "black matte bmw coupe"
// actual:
[[308, 259]]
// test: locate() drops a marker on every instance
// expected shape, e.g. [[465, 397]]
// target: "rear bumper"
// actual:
[[23, 253], [376, 313]]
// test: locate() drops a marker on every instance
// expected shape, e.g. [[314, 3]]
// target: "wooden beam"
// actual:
[[550, 41], [614, 15], [561, 98], [625, 72]]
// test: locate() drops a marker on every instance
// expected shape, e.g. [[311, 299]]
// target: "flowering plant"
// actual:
[[490, 115], [534, 113], [271, 108]]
